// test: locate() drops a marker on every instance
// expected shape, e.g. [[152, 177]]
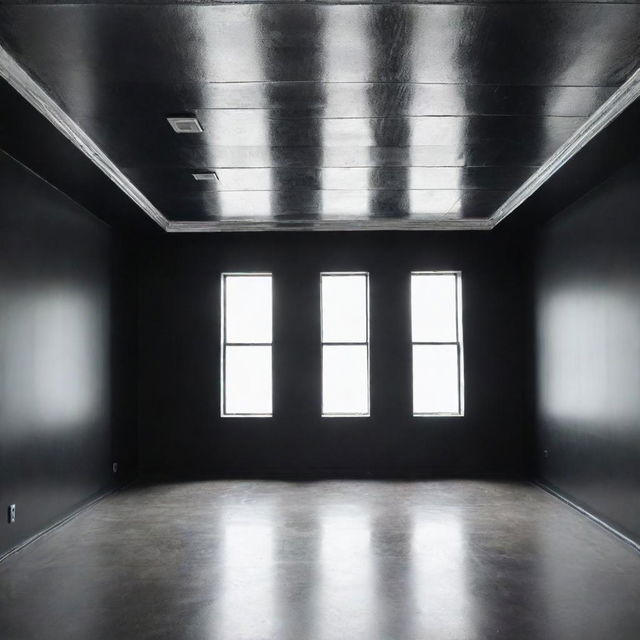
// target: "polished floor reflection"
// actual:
[[244, 560]]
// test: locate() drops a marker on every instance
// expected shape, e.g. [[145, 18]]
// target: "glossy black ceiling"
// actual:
[[314, 114]]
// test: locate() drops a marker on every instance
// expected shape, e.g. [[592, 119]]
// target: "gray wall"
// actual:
[[65, 363], [587, 281]]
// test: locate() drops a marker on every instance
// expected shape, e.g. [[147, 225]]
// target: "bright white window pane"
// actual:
[[248, 380], [345, 380], [344, 308], [433, 307], [248, 308], [435, 378]]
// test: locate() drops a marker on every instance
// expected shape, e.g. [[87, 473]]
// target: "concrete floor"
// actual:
[[448, 560]]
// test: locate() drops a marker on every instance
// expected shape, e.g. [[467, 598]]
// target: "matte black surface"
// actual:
[[67, 356], [588, 345], [181, 431], [311, 86], [324, 561]]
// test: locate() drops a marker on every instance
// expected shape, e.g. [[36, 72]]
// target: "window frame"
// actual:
[[224, 343], [458, 343], [367, 343]]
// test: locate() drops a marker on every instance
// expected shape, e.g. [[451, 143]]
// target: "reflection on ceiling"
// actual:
[[328, 115]]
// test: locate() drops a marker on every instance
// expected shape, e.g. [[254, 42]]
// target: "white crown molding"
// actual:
[[600, 118], [35, 95], [400, 224]]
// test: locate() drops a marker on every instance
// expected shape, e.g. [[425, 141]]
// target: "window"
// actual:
[[436, 330], [345, 344], [246, 345]]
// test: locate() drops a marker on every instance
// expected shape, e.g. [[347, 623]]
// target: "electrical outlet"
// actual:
[[546, 453], [115, 467], [11, 513]]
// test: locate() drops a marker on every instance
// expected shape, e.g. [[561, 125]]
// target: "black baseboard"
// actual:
[[585, 512], [320, 474], [91, 502], [104, 494]]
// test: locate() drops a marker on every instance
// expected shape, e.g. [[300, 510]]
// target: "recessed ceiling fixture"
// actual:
[[185, 124], [210, 175]]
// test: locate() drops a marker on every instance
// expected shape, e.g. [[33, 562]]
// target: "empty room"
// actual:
[[319, 320]]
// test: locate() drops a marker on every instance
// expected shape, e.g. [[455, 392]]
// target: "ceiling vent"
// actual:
[[210, 175], [185, 124]]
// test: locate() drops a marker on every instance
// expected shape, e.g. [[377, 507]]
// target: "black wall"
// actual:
[[181, 432], [67, 355], [588, 351]]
